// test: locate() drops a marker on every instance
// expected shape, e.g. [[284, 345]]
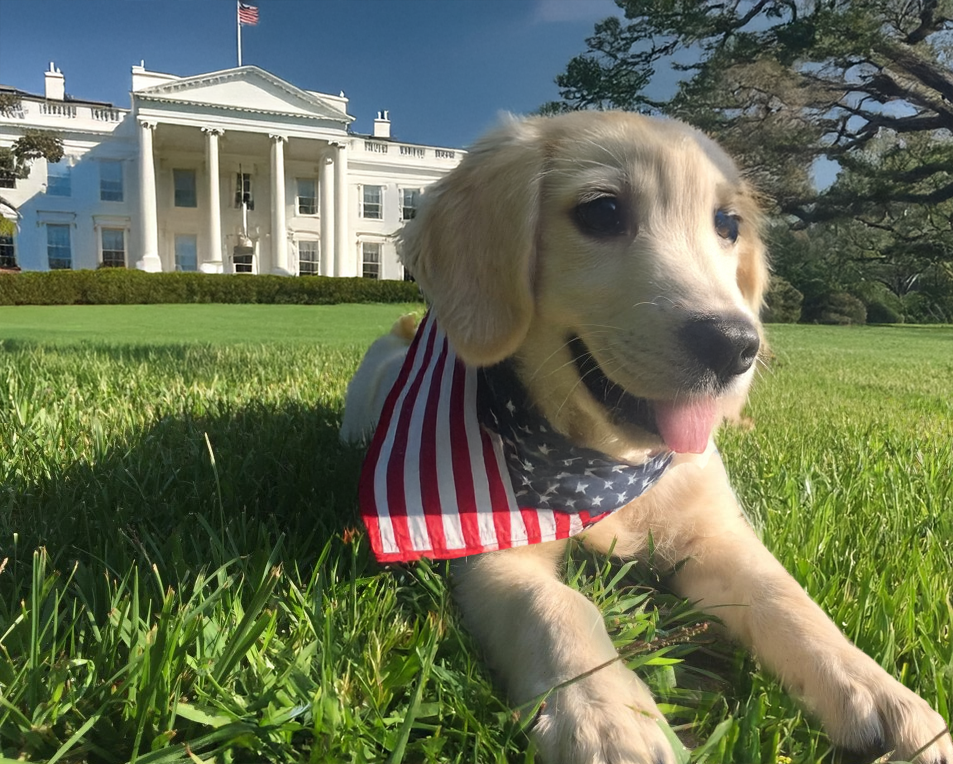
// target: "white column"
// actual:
[[147, 200], [213, 260], [326, 190], [279, 234], [344, 260]]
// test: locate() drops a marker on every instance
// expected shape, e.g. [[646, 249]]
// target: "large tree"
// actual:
[[784, 83]]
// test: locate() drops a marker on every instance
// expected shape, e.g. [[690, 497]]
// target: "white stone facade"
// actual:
[[159, 186]]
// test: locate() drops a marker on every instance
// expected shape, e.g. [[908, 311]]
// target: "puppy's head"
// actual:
[[617, 257]]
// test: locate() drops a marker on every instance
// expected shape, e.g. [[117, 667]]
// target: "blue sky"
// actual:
[[444, 69]]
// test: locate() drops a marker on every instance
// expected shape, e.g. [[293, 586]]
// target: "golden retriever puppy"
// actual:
[[374, 378], [613, 264]]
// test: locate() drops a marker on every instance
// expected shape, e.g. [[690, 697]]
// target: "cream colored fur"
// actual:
[[367, 391], [510, 274]]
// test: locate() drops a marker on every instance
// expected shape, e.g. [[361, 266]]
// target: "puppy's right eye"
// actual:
[[603, 216]]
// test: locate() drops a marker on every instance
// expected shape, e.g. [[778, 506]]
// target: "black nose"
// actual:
[[727, 345]]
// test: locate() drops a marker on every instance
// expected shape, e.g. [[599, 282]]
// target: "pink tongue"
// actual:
[[685, 426]]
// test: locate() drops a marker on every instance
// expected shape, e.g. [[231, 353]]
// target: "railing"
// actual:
[[107, 115], [28, 109], [412, 152], [58, 109]]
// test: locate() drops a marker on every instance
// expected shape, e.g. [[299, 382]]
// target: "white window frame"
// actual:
[[60, 183], [316, 260], [69, 246], [362, 197], [378, 262], [12, 236], [403, 206], [175, 252], [314, 199], [111, 194], [195, 188], [103, 250]]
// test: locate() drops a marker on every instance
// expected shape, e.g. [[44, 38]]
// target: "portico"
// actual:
[[209, 143]]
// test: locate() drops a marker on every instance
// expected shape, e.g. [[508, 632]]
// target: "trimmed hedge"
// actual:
[[119, 286]]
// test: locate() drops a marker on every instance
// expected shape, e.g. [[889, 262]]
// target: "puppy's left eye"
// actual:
[[602, 216], [726, 226]]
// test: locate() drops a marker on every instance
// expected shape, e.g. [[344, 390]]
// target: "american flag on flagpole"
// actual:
[[461, 464], [247, 14]]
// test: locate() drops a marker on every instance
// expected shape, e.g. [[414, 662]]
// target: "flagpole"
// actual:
[[238, 26]]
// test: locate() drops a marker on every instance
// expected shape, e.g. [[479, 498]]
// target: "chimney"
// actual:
[[382, 125], [55, 84]]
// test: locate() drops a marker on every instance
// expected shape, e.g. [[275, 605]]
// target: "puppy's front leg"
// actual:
[[729, 573], [539, 634]]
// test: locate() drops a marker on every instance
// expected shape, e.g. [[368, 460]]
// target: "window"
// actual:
[[184, 183], [309, 260], [307, 196], [110, 180], [409, 198], [8, 173], [186, 248], [373, 202], [58, 180], [243, 190], [8, 253], [114, 247], [58, 248], [371, 258]]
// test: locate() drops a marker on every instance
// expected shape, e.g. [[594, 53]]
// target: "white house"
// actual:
[[231, 171]]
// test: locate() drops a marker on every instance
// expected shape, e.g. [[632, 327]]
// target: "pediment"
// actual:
[[247, 88]]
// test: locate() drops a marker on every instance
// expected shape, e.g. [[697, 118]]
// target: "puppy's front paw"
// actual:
[[609, 719], [873, 712]]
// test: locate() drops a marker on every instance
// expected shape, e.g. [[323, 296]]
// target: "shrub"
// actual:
[[119, 286], [925, 308], [782, 303], [879, 312], [840, 308]]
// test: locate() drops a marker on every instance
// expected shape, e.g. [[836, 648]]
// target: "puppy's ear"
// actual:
[[471, 245]]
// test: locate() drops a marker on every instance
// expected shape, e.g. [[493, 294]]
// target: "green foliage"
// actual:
[[33, 144], [37, 144], [880, 313], [782, 303], [119, 286], [838, 308], [782, 83]]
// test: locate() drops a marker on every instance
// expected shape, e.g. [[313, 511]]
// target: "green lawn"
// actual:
[[182, 575], [217, 324]]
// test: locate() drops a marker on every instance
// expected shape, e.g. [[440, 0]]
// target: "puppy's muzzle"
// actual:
[[725, 346]]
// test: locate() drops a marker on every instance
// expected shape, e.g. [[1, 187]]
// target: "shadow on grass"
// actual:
[[192, 493]]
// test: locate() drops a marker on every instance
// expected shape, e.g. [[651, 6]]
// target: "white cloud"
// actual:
[[555, 11]]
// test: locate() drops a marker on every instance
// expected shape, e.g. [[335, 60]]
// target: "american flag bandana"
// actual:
[[462, 463]]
